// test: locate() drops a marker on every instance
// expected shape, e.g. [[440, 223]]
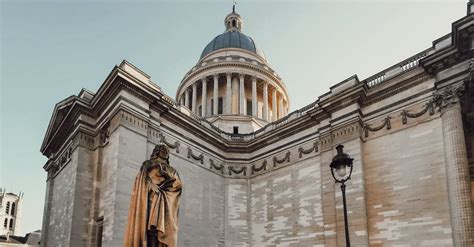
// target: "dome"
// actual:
[[232, 40]]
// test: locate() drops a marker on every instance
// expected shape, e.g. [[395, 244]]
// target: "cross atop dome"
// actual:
[[233, 22]]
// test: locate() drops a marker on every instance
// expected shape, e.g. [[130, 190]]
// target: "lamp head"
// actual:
[[340, 164]]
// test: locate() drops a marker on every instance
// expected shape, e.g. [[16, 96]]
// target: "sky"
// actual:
[[50, 50]]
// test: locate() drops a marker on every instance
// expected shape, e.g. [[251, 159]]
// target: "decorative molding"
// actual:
[[385, 123], [314, 148], [262, 167], [138, 124], [242, 169], [196, 157], [406, 114], [104, 135], [279, 161], [174, 145], [326, 142], [85, 140], [346, 132], [450, 95], [218, 168]]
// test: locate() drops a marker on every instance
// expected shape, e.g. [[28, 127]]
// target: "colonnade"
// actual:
[[266, 101]]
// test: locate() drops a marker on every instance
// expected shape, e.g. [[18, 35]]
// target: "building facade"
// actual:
[[10, 212], [256, 174]]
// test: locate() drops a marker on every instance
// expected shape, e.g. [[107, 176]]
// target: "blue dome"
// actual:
[[232, 40]]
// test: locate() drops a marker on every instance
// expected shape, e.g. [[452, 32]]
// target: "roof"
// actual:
[[232, 40]]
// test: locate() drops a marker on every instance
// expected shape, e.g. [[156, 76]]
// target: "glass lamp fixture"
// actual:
[[340, 165]]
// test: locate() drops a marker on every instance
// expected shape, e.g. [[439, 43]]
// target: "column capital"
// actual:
[[203, 79], [448, 97], [215, 76], [228, 74], [254, 77], [241, 76]]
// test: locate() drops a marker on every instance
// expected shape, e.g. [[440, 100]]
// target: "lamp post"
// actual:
[[340, 165]]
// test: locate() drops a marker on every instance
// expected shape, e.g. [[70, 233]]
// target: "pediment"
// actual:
[[60, 111]]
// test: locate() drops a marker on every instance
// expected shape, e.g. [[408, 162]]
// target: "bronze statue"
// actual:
[[153, 212]]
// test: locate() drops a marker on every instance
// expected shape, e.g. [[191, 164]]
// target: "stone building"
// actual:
[[10, 212], [256, 174]]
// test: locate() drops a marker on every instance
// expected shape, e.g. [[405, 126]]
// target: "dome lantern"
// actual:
[[233, 22]]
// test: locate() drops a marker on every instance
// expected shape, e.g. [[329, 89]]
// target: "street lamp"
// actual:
[[340, 165]]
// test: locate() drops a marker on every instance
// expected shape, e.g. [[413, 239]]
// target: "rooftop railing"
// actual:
[[397, 69]]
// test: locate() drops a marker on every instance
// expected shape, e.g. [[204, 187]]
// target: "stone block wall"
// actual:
[[286, 206], [406, 189], [62, 204]]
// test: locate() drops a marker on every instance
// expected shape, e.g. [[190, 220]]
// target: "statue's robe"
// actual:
[[154, 207]]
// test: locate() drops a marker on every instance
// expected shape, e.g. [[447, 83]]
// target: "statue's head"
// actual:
[[160, 151]]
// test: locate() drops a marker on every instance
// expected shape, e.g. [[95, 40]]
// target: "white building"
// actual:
[[10, 212]]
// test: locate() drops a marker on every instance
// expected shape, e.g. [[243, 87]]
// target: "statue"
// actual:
[[154, 206]]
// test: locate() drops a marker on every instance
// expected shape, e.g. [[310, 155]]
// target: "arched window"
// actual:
[[12, 212], [11, 224], [234, 23], [5, 223], [7, 209]]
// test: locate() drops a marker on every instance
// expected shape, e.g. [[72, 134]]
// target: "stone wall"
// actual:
[[286, 206], [407, 199], [62, 203]]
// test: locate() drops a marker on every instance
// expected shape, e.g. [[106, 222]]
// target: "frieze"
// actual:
[[85, 140], [386, 123], [134, 122], [196, 157], [277, 161], [406, 114], [262, 167], [347, 132], [104, 135], [326, 142], [216, 167], [242, 170], [313, 148], [174, 145]]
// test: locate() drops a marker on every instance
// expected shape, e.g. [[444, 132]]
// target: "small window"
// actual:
[[7, 209], [5, 223], [11, 224], [234, 23], [12, 212], [236, 129], [220, 105]]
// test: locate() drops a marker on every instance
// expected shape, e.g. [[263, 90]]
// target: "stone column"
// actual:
[[186, 98], [242, 94], [274, 105], [204, 97], [265, 101], [194, 97], [228, 95], [254, 97], [280, 106], [216, 95], [457, 167], [181, 100]]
